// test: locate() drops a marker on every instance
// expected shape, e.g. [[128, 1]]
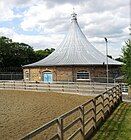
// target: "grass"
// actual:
[[23, 111], [118, 126]]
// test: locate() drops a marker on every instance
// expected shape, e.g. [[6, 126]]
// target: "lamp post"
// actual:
[[107, 62], [130, 26]]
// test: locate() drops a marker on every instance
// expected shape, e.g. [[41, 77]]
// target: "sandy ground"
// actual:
[[24, 111]]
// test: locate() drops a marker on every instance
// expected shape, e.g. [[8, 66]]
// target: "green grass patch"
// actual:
[[118, 125]]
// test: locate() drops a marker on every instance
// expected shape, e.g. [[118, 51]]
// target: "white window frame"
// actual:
[[26, 75], [83, 72]]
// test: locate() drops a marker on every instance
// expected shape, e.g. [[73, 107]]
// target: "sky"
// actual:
[[44, 23]]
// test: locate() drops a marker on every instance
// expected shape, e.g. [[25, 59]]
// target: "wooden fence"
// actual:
[[73, 87], [87, 118]]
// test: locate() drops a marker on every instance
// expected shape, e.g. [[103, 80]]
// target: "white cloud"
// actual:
[[7, 32], [39, 41], [5, 12], [36, 41], [39, 16], [51, 19], [6, 8]]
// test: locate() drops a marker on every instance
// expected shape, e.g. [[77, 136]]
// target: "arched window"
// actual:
[[83, 75], [26, 75]]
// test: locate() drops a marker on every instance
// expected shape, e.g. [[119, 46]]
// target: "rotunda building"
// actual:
[[75, 59]]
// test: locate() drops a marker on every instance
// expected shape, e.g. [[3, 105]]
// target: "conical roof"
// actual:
[[75, 49]]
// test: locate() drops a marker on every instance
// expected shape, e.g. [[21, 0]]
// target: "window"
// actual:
[[27, 75], [83, 75]]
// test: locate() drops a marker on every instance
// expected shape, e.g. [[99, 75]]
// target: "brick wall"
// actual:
[[68, 73]]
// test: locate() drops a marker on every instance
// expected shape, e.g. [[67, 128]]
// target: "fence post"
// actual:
[[120, 93], [14, 84], [112, 90], [11, 76], [108, 98], [94, 104], [83, 121], [3, 84], [60, 128], [117, 94], [102, 96], [77, 88], [112, 100], [36, 86], [63, 88], [93, 89], [25, 85], [49, 86]]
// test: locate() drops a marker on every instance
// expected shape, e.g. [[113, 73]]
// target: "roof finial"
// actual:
[[73, 15], [73, 9]]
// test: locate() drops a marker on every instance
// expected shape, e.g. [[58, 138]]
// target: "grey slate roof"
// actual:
[[75, 49]]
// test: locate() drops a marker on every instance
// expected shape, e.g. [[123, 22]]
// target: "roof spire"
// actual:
[[73, 9], [75, 49], [73, 15]]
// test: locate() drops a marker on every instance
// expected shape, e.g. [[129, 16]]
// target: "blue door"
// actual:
[[47, 77]]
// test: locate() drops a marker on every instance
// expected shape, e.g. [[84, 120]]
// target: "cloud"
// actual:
[[39, 41], [14, 3], [36, 41], [5, 12], [101, 6], [40, 16], [52, 3], [51, 20], [7, 32], [7, 6]]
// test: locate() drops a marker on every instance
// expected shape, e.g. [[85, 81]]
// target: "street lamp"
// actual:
[[130, 23], [107, 80]]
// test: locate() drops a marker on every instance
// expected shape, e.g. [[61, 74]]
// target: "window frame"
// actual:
[[26, 75], [83, 72]]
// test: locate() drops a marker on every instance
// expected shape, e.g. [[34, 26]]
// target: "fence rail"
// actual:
[[73, 87], [88, 116]]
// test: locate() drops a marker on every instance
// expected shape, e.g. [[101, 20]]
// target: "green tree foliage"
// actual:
[[14, 54], [119, 59], [127, 61], [40, 54]]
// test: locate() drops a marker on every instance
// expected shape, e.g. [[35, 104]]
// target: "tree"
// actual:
[[15, 54], [40, 54], [119, 59], [126, 68]]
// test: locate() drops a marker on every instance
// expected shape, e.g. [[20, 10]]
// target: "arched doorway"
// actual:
[[47, 77], [26, 75]]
